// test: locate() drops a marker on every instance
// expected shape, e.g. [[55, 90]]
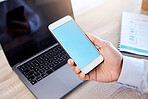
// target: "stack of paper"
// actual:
[[134, 34]]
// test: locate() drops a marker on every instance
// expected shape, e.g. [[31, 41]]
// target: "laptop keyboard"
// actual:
[[44, 64]]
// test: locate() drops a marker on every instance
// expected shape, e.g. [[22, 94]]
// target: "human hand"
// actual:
[[18, 28], [109, 70]]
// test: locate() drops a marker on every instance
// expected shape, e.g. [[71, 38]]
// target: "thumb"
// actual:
[[95, 40]]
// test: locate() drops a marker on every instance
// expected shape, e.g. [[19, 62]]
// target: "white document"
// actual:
[[134, 33]]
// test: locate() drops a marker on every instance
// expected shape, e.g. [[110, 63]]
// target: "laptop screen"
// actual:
[[23, 26]]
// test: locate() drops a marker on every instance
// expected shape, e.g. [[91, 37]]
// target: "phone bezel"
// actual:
[[92, 64]]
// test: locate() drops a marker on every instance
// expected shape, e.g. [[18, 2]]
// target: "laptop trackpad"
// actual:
[[66, 75]]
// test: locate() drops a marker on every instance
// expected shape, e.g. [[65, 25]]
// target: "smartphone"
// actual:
[[76, 44], [16, 14]]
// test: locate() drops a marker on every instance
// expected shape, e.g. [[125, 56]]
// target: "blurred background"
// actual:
[[80, 6]]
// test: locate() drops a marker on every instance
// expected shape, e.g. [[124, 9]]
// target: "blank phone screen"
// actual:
[[76, 43]]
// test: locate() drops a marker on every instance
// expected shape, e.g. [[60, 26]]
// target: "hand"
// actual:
[[109, 70], [18, 28]]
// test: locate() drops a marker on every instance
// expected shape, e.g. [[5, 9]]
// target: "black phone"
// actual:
[[16, 14]]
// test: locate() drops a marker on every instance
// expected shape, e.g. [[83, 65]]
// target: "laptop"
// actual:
[[31, 50]]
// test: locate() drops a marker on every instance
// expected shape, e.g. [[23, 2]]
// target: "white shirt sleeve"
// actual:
[[135, 73]]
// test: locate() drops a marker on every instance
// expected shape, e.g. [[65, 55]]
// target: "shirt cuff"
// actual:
[[132, 71]]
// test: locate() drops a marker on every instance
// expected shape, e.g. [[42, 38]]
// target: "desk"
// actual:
[[103, 21]]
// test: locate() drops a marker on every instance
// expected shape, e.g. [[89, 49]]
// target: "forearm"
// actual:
[[135, 73]]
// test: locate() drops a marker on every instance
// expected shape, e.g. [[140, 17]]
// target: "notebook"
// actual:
[[134, 34]]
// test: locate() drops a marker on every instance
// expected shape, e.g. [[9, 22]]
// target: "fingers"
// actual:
[[97, 41], [70, 62], [76, 70], [82, 76]]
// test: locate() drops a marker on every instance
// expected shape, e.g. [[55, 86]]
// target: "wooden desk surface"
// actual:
[[103, 21]]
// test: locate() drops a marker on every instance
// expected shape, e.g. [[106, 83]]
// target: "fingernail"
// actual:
[[70, 61], [76, 69]]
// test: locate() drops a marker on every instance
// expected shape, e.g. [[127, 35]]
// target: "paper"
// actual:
[[134, 33]]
